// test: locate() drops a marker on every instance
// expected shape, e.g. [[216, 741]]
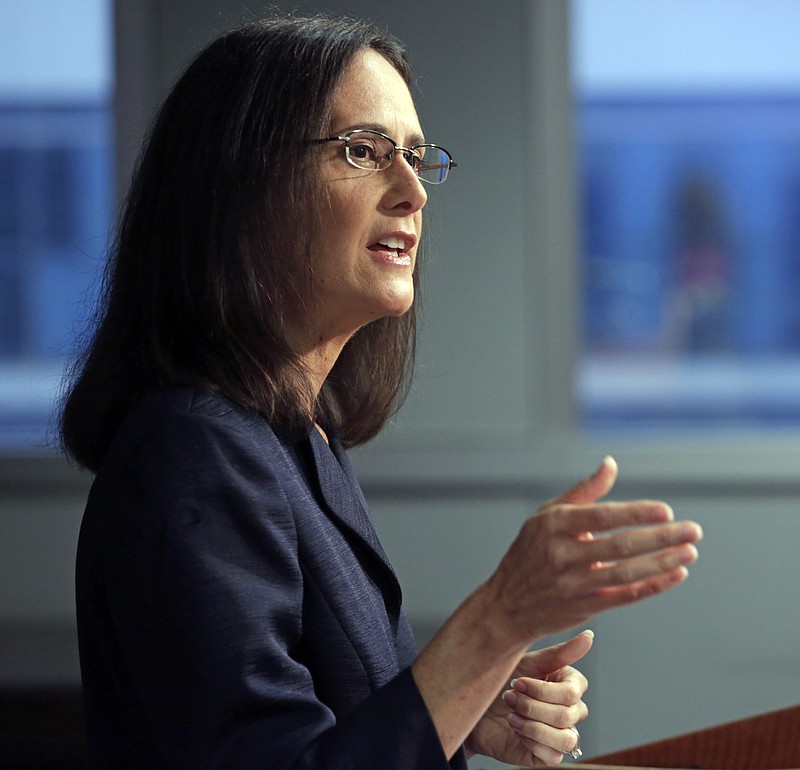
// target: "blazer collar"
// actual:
[[345, 501]]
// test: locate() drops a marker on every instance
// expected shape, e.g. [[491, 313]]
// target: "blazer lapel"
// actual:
[[346, 504]]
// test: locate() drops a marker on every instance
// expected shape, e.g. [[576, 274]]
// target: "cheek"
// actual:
[[348, 207], [339, 228]]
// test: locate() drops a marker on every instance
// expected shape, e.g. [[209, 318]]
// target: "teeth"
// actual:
[[394, 243]]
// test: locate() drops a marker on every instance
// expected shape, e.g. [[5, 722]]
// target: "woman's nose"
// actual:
[[406, 191]]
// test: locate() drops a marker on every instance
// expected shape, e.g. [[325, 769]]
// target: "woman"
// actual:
[[235, 607]]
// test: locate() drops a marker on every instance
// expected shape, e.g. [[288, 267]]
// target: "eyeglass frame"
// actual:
[[406, 152]]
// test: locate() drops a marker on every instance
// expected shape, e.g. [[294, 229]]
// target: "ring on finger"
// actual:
[[575, 752]]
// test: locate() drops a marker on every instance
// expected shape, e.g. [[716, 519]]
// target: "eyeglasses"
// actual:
[[374, 151]]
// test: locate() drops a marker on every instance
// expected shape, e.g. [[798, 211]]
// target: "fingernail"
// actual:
[[515, 720], [692, 532], [519, 685], [509, 698], [688, 555], [589, 633]]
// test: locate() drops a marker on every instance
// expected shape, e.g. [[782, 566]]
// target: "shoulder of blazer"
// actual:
[[188, 410], [179, 447]]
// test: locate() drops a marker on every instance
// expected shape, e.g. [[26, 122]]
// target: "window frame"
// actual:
[[550, 451]]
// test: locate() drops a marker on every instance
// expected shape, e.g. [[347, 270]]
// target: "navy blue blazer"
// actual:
[[235, 608]]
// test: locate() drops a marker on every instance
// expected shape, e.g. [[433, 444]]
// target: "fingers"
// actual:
[[563, 709], [553, 741], [601, 517], [545, 754], [635, 542], [565, 687], [631, 543], [542, 713], [592, 488], [546, 662], [612, 596], [618, 596], [619, 583], [645, 527], [634, 570], [582, 565]]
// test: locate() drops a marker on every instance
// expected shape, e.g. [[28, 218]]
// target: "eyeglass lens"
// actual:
[[367, 149], [434, 165]]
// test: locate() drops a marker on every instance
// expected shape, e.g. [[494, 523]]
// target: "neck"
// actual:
[[320, 357], [321, 432]]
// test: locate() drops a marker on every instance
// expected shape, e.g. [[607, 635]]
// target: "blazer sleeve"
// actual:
[[201, 589]]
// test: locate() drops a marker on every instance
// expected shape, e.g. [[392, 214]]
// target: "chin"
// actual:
[[399, 305]]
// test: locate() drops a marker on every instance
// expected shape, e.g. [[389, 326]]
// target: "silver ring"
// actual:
[[576, 752]]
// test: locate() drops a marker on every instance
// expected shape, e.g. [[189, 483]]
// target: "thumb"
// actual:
[[593, 487], [541, 663]]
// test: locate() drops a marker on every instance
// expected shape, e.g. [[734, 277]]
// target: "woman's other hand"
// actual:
[[529, 724]]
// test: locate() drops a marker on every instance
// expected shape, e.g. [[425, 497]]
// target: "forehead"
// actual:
[[373, 94]]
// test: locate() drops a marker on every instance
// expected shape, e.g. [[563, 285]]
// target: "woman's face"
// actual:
[[363, 259]]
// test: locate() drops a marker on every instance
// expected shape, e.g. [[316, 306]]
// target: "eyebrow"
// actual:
[[413, 139]]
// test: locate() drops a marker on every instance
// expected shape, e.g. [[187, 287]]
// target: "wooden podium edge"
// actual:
[[590, 766], [769, 741]]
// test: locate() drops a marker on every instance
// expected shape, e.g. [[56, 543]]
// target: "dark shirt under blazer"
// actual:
[[235, 608]]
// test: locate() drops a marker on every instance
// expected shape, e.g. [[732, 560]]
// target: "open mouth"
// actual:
[[391, 250], [395, 248]]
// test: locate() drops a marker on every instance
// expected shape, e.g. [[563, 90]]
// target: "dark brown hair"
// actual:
[[212, 249]]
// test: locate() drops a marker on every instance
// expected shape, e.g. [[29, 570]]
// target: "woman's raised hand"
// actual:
[[578, 557]]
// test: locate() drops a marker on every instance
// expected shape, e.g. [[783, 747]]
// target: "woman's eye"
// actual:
[[363, 151]]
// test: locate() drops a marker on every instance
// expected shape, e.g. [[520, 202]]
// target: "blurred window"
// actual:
[[688, 124], [55, 198]]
